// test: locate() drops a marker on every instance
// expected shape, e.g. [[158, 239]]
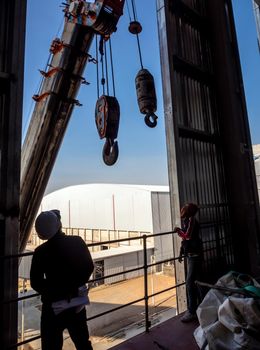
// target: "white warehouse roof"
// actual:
[[112, 206]]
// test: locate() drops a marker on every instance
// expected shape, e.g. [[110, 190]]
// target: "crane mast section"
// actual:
[[50, 119], [56, 100]]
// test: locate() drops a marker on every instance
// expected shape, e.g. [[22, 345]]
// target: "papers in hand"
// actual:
[[78, 302]]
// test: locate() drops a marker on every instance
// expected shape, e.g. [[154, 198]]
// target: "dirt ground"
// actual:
[[108, 330]]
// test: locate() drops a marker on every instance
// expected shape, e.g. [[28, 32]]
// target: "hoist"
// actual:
[[144, 82], [107, 115]]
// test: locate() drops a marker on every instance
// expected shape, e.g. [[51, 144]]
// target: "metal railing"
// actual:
[[145, 267], [96, 236]]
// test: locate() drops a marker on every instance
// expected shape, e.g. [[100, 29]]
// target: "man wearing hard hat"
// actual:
[[60, 269]]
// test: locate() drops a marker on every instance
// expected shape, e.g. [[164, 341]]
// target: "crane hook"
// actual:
[[146, 96], [151, 120], [110, 152]]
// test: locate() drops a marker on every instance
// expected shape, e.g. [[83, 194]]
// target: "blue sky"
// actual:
[[250, 62], [142, 151]]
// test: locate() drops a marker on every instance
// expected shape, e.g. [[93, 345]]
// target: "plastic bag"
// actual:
[[229, 321]]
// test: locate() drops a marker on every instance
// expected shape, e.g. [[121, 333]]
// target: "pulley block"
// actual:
[[107, 116], [146, 96], [109, 14], [101, 15], [76, 7], [135, 27]]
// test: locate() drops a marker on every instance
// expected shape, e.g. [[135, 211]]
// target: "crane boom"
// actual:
[[55, 102]]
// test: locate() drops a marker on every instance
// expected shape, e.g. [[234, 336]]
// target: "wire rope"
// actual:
[[139, 51], [134, 10], [39, 87], [106, 69], [112, 67], [102, 67], [137, 35], [58, 33], [97, 69], [128, 10]]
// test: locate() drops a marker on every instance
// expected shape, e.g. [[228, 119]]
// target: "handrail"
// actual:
[[94, 244], [145, 267]]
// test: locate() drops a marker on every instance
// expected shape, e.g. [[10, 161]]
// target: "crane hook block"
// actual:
[[135, 27], [101, 15], [107, 116], [110, 152], [146, 96]]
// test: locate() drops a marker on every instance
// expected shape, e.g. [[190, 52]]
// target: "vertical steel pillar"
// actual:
[[165, 33], [240, 178], [12, 38]]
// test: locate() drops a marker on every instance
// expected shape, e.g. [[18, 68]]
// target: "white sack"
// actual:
[[228, 322]]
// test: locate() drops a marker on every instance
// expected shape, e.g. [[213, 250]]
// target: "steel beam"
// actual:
[[49, 121], [166, 53], [12, 39], [240, 178]]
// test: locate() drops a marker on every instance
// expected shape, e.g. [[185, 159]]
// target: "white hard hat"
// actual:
[[48, 224]]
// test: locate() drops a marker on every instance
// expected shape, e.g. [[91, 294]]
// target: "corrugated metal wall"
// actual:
[[208, 138], [162, 222], [124, 262]]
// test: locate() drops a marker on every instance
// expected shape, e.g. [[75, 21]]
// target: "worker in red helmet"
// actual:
[[60, 269], [192, 250]]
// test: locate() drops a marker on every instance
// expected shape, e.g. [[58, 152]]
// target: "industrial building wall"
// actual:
[[124, 262], [104, 206], [204, 105], [162, 222], [161, 212]]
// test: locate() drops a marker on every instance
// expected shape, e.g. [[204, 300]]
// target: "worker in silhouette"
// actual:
[[192, 250], [60, 269]]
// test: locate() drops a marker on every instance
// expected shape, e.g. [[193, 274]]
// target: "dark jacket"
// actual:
[[190, 234], [60, 266]]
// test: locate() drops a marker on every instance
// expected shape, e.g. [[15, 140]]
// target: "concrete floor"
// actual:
[[169, 335]]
